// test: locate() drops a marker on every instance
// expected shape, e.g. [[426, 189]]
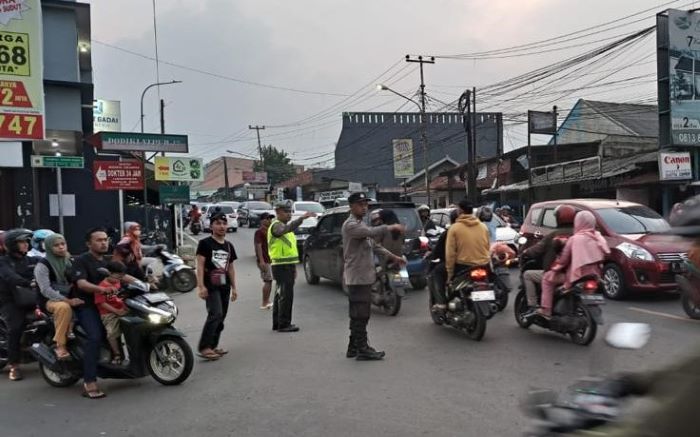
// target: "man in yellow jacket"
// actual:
[[467, 242]]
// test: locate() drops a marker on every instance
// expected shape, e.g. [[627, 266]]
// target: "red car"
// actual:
[[641, 259]]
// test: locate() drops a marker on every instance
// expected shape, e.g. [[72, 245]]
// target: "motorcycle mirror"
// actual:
[[628, 335]]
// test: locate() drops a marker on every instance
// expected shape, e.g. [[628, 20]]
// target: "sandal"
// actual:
[[62, 354], [210, 356], [15, 374], [117, 360], [220, 351], [93, 394]]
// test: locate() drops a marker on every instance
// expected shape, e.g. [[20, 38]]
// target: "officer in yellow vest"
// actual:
[[282, 247]]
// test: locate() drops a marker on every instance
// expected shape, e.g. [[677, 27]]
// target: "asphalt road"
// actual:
[[434, 381]]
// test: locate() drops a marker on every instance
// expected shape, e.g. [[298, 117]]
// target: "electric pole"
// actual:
[[257, 130], [469, 120], [423, 121]]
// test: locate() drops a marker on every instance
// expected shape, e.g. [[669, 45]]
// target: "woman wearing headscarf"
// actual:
[[583, 255], [128, 250], [50, 275]]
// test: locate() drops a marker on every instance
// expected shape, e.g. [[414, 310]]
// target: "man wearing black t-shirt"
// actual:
[[216, 282]]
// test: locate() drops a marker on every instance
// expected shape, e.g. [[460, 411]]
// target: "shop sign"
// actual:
[[169, 168], [675, 166]]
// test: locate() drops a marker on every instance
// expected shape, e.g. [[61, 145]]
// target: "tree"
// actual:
[[276, 163]]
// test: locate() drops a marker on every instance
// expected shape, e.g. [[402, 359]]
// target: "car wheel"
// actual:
[[311, 278], [614, 281]]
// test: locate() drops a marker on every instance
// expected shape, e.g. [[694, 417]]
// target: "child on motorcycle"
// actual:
[[583, 255], [112, 307]]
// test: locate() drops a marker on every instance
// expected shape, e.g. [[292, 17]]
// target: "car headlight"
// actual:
[[633, 251]]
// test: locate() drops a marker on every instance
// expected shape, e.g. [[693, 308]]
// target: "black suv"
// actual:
[[323, 249]]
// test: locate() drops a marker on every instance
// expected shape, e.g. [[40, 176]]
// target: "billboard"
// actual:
[[403, 158], [170, 168], [684, 76], [542, 122], [21, 71], [118, 175], [106, 116], [255, 176], [675, 166]]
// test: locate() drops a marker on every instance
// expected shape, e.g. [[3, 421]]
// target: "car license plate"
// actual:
[[478, 296], [677, 267]]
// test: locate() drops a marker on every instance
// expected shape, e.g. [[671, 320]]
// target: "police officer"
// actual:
[[284, 256], [360, 274]]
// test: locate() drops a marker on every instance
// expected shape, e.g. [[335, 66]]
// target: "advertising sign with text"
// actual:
[[403, 158], [169, 168], [675, 166], [118, 175], [684, 76]]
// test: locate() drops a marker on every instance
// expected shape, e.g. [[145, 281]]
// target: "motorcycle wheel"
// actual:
[[692, 310], [195, 231], [56, 379], [478, 328], [585, 336], [178, 358], [392, 304], [520, 309], [3, 343], [418, 282], [183, 281]]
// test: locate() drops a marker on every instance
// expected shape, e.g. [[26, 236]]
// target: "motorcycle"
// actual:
[[177, 275], [150, 342], [576, 311], [38, 327], [500, 276], [196, 227], [154, 237], [471, 301], [390, 288], [590, 402]]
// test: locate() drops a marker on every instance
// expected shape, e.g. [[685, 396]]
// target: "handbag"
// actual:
[[26, 297]]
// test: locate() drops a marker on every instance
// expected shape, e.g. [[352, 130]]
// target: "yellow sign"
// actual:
[[21, 71], [169, 168]]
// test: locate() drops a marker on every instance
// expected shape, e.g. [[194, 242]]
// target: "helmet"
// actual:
[[129, 225], [39, 237], [565, 215], [12, 237], [423, 207], [685, 218]]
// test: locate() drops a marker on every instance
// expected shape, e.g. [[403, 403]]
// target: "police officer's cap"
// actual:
[[284, 204], [357, 197]]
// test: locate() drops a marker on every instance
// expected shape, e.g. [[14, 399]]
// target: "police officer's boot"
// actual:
[[365, 352], [352, 348]]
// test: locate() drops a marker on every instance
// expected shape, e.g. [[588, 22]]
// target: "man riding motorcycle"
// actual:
[[424, 213], [467, 243], [546, 251]]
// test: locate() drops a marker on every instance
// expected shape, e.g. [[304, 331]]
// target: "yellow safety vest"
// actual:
[[282, 250]]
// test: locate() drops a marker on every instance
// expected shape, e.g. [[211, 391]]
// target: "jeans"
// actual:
[[439, 275], [89, 320], [217, 307], [284, 275], [14, 319]]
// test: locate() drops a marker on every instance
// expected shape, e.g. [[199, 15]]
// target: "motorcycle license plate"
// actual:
[[478, 296], [593, 299]]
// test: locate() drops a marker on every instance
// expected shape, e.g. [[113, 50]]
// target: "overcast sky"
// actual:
[[330, 47]]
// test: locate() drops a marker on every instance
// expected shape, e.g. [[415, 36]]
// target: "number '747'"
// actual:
[[14, 123]]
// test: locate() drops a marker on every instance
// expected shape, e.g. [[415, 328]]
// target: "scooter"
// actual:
[[150, 342], [390, 288], [196, 227], [38, 327], [177, 275]]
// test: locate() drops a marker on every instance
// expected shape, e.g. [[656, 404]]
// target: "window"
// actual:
[[439, 219], [312, 207], [326, 225], [338, 220], [535, 216], [633, 220], [259, 205], [549, 220]]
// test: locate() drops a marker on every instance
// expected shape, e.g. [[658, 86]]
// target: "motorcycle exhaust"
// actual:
[[493, 307], [46, 356]]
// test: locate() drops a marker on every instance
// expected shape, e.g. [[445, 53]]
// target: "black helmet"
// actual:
[[13, 236], [685, 217]]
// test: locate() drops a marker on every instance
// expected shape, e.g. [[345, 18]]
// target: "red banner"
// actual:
[[21, 126], [118, 175]]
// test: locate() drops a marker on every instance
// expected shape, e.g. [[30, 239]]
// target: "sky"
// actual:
[[319, 58]]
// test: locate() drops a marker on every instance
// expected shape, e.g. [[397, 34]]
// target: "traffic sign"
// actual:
[[174, 194], [118, 175], [138, 142], [58, 161]]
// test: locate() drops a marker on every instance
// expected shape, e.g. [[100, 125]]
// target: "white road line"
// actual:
[[660, 314]]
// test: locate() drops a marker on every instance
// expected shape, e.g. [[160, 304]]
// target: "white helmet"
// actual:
[[423, 207]]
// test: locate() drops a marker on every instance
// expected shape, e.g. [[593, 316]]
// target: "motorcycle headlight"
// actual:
[[633, 251], [161, 317]]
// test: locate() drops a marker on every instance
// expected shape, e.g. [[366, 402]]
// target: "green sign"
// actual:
[[174, 194], [58, 161], [137, 142]]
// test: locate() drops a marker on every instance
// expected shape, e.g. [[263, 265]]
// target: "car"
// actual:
[[323, 248], [229, 210], [504, 232], [642, 258], [249, 212], [303, 231], [203, 208]]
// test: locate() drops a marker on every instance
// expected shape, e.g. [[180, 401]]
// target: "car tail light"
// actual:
[[478, 274], [424, 244], [590, 285]]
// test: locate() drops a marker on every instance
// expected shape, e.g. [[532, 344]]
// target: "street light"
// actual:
[[145, 184], [424, 135]]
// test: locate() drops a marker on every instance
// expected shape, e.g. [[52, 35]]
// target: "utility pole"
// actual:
[[423, 121], [468, 120], [257, 130], [226, 196]]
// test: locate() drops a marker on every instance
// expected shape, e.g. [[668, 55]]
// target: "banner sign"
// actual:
[[174, 194], [675, 166], [684, 77], [118, 175], [137, 142], [255, 176], [541, 122], [21, 71], [170, 168], [106, 116], [403, 158]]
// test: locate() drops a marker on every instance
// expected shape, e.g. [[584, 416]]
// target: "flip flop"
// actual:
[[93, 394], [211, 356], [221, 351], [15, 374], [62, 356]]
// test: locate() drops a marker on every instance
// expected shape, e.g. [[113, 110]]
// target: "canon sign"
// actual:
[[676, 159], [675, 166]]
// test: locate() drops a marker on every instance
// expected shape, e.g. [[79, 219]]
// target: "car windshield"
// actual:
[[259, 205], [311, 207], [408, 217], [633, 220]]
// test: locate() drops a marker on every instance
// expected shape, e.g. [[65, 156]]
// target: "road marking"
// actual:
[[660, 314]]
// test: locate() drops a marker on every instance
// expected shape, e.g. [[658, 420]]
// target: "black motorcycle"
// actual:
[[38, 327], [150, 342], [196, 227], [471, 301], [576, 311], [390, 288]]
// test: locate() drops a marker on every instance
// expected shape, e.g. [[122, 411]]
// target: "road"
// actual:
[[434, 381]]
